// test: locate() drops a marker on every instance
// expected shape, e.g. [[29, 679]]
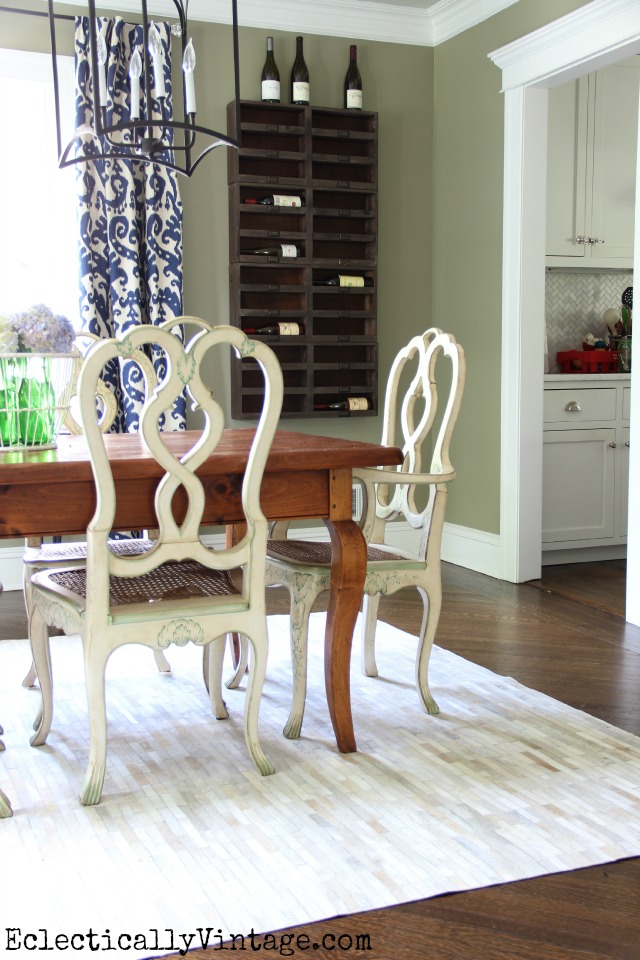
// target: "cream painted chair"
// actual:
[[52, 556], [416, 421], [179, 590]]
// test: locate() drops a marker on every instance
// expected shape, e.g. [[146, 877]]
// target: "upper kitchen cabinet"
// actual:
[[591, 175]]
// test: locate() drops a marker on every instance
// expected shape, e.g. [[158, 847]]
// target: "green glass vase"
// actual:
[[9, 386], [36, 402]]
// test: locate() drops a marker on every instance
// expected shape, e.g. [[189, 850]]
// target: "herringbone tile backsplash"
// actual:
[[574, 304]]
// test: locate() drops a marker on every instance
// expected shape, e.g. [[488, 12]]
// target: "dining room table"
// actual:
[[52, 492]]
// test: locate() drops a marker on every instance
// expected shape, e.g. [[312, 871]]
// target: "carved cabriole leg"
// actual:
[[370, 606], [5, 806], [95, 661], [432, 603], [213, 657], [301, 606], [240, 662], [39, 634], [162, 663], [348, 567], [257, 673]]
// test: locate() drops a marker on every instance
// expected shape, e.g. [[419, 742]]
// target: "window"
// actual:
[[38, 205]]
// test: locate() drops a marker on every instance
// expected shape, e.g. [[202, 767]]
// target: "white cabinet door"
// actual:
[[566, 168], [578, 500], [591, 168], [614, 160]]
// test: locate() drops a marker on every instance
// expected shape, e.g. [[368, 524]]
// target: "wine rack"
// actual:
[[328, 158]]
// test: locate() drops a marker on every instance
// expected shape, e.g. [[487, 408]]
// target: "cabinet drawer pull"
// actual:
[[627, 443], [613, 444], [573, 407]]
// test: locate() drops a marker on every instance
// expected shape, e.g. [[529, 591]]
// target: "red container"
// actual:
[[588, 361]]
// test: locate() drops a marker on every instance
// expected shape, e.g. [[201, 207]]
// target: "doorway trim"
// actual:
[[597, 34]]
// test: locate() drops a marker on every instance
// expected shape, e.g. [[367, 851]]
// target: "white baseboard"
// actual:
[[462, 546]]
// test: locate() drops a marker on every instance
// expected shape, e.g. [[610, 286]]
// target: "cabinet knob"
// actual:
[[613, 444], [582, 239], [627, 443], [573, 407], [593, 240]]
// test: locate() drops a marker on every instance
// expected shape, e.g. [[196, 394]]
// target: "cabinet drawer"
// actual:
[[580, 405]]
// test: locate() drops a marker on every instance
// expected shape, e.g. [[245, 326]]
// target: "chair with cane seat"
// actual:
[[180, 590], [304, 566]]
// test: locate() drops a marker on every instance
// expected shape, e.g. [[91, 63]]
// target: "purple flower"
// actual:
[[39, 330]]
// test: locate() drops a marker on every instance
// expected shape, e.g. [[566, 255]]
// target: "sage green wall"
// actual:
[[467, 241]]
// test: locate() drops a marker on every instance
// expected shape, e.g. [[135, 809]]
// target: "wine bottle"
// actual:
[[347, 403], [344, 280], [299, 76], [275, 250], [277, 200], [353, 82], [270, 76], [285, 329]]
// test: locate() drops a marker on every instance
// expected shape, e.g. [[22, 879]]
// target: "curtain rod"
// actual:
[[37, 13]]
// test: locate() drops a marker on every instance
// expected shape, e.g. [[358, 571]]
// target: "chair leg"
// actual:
[[27, 590], [241, 664], [432, 602], [39, 634], [212, 665], [95, 663], [162, 663], [370, 606], [301, 606], [255, 683], [30, 679]]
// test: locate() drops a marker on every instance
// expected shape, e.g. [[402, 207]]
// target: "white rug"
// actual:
[[504, 784]]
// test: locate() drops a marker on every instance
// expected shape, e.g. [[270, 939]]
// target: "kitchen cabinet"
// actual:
[[591, 169], [585, 463], [324, 332]]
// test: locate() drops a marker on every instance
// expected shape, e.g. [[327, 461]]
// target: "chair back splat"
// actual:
[[178, 590]]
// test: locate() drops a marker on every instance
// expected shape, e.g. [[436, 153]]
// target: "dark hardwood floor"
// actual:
[[571, 649]]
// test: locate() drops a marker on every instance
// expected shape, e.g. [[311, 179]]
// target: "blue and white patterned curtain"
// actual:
[[130, 224]]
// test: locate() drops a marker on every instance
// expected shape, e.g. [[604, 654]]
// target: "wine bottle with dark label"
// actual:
[[277, 200], [284, 329], [344, 280], [299, 76], [270, 76], [353, 82], [274, 250], [351, 404]]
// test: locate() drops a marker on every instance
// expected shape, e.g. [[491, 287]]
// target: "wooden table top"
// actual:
[[130, 459]]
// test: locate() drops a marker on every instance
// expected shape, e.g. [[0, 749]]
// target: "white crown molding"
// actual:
[[566, 43], [451, 17], [355, 19]]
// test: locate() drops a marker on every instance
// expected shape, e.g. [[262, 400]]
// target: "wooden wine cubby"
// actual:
[[329, 158]]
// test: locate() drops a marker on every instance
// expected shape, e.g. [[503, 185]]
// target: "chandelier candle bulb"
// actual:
[[102, 69], [135, 72], [188, 66], [155, 49]]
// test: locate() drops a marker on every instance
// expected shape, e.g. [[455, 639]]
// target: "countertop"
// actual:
[[584, 378]]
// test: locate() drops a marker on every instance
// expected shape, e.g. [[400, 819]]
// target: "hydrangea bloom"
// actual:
[[39, 330], [8, 335]]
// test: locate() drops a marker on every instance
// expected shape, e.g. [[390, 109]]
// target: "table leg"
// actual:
[[348, 568]]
